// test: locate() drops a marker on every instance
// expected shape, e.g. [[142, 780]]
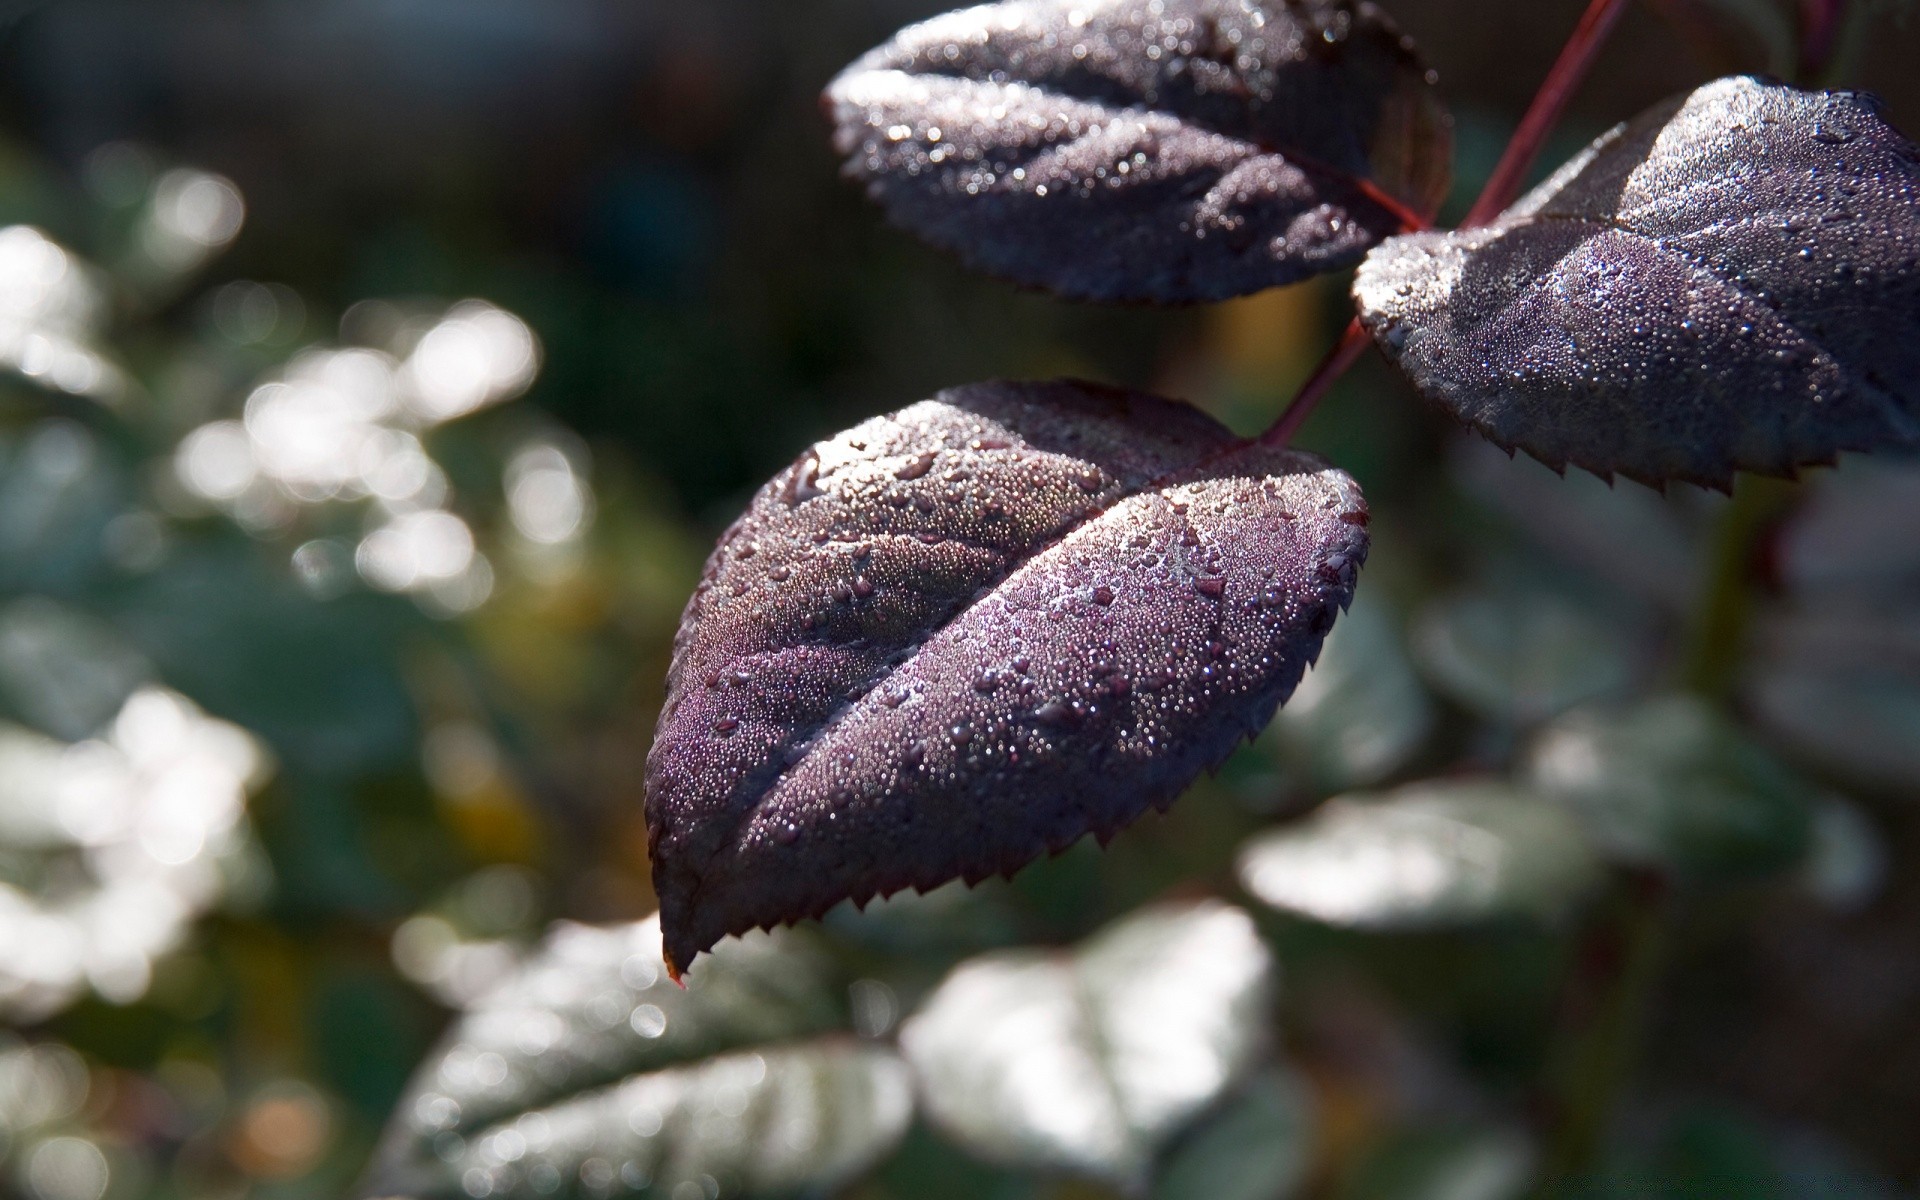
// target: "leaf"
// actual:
[[1088, 1061], [1259, 1148], [1841, 690], [1672, 784], [589, 1064], [1519, 654], [593, 1005], [1360, 713], [1729, 282], [1427, 856], [956, 637], [1459, 1163], [1164, 150], [796, 1119]]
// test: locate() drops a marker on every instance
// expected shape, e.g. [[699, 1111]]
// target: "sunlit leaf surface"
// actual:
[[1169, 150], [112, 847], [1672, 783], [1729, 282], [1428, 856], [594, 1008], [786, 1120], [1259, 1147], [956, 637], [1088, 1060]]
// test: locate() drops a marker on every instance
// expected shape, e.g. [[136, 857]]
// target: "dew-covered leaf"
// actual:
[[1426, 856], [959, 636], [1164, 150], [1088, 1060], [796, 1119], [1729, 282], [591, 1007], [1259, 1147], [1672, 784], [1360, 713]]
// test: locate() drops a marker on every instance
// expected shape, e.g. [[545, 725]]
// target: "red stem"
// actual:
[[1576, 57], [1353, 343]]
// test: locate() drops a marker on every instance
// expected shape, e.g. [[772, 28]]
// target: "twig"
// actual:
[[1576, 57], [1353, 343]]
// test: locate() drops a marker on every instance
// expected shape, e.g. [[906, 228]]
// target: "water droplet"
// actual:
[[917, 467], [1057, 713]]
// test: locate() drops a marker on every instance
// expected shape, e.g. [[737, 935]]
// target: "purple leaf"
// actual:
[[1164, 150], [959, 636], [1729, 282]]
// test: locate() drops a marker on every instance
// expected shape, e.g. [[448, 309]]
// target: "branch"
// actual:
[[1353, 343], [1576, 57]]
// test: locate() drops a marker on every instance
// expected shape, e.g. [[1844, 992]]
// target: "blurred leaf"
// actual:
[[1436, 855], [1360, 711], [319, 680], [65, 672], [1629, 540], [1257, 151], [1672, 784], [1518, 654], [1848, 861], [796, 1119], [593, 1005], [963, 634], [1089, 1060], [1853, 543], [59, 491], [1847, 699], [1258, 1147], [1722, 284], [1452, 1164], [588, 1070]]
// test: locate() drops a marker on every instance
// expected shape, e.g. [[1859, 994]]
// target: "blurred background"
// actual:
[[374, 375]]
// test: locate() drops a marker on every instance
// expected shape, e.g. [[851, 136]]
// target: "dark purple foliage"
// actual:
[[959, 636], [1727, 283], [1164, 150]]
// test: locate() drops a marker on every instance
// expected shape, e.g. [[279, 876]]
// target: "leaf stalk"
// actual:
[[1562, 81]]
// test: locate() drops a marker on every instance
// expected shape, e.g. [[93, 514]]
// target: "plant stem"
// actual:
[[1576, 57], [1719, 634], [1353, 343], [1624, 958]]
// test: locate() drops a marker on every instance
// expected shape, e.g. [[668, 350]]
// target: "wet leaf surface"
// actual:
[[1427, 856], [579, 1036], [1088, 1061], [1165, 150], [1729, 282], [1672, 784], [965, 634], [1360, 713]]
